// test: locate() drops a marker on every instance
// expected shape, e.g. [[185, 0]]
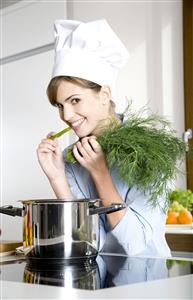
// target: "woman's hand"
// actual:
[[90, 155], [50, 158]]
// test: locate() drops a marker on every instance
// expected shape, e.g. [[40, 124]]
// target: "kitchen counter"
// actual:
[[176, 288], [111, 276], [179, 229]]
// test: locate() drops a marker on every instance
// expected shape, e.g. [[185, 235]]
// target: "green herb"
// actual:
[[171, 262], [57, 135], [146, 152], [70, 156], [183, 197]]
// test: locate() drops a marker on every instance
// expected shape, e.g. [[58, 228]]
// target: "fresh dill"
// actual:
[[145, 150]]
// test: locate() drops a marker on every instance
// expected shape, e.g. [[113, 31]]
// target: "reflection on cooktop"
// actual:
[[106, 271]]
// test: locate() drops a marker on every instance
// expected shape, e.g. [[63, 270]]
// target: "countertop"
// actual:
[[132, 277], [173, 288], [179, 229]]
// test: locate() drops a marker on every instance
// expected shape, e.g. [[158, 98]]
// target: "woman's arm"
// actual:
[[51, 160], [90, 155], [108, 194], [61, 188]]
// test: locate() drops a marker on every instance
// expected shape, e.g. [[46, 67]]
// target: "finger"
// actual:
[[50, 134], [95, 145], [93, 137], [86, 138], [77, 155], [49, 141], [81, 149], [44, 150], [48, 146], [87, 146]]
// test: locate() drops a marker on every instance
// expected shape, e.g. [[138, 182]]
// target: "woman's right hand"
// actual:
[[51, 158]]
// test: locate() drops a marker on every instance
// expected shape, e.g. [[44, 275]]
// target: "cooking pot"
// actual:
[[61, 228]]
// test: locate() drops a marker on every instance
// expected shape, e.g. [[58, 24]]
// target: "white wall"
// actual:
[[152, 32]]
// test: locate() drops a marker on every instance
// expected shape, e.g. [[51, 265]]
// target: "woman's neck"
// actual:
[[113, 118]]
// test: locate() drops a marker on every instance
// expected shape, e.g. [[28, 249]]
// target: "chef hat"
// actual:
[[90, 51]]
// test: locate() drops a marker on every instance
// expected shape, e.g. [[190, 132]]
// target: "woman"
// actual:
[[88, 56]]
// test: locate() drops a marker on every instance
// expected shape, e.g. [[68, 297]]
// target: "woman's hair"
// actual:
[[55, 82]]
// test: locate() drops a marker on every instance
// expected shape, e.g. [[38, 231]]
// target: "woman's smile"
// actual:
[[77, 124]]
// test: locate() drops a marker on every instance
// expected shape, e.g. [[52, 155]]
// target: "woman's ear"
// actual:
[[105, 94]]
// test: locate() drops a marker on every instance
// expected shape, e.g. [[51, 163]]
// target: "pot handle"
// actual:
[[11, 211], [106, 210]]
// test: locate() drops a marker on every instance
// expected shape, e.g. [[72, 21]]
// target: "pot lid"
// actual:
[[58, 201]]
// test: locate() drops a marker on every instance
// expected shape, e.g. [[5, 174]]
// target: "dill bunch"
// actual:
[[145, 151]]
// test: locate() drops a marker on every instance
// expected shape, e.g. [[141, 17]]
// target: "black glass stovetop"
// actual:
[[102, 272]]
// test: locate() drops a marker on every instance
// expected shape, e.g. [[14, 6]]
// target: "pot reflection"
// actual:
[[104, 272], [82, 275]]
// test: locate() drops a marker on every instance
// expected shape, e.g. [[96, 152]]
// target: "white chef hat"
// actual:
[[90, 51]]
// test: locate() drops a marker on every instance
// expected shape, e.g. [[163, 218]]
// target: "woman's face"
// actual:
[[83, 109]]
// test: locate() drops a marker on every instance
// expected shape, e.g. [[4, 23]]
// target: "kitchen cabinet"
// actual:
[[29, 24], [180, 237], [26, 115], [180, 241]]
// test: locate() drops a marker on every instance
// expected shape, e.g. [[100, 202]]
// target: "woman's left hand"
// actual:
[[90, 155]]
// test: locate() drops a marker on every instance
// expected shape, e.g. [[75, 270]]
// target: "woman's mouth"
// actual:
[[77, 124]]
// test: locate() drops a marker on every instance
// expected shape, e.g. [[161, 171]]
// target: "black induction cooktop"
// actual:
[[91, 274]]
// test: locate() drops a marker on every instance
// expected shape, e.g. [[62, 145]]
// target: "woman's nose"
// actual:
[[66, 114]]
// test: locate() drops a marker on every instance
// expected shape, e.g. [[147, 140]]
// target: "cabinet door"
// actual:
[[188, 79], [28, 25], [26, 115], [26, 118]]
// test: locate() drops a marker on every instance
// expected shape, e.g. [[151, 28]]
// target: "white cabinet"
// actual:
[[29, 24], [26, 115]]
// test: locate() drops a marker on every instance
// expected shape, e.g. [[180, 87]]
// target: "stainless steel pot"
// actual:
[[61, 228]]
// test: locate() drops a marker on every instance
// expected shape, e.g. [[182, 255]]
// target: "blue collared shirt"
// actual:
[[141, 231]]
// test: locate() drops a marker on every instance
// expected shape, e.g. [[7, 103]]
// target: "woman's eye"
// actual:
[[75, 100]]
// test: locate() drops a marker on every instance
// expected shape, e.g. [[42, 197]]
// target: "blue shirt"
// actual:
[[141, 231]]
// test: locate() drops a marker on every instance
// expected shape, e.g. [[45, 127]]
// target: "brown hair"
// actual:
[[55, 82]]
